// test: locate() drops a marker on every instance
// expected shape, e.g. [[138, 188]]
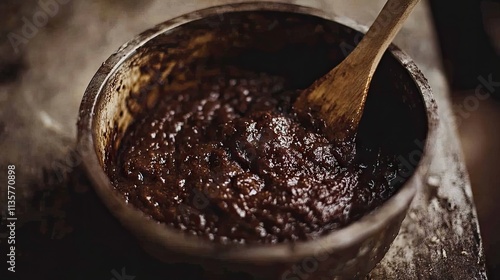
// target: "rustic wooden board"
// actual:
[[64, 232]]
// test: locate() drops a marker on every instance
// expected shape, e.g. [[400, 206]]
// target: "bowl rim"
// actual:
[[175, 239]]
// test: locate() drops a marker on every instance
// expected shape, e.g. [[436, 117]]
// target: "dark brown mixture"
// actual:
[[229, 160]]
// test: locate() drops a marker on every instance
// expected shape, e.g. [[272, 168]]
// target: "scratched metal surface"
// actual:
[[63, 232]]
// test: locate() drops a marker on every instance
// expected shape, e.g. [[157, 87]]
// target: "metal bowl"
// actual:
[[126, 83]]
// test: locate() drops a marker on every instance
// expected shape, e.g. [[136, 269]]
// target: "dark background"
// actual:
[[469, 35]]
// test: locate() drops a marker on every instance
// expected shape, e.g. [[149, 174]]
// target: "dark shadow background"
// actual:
[[469, 34]]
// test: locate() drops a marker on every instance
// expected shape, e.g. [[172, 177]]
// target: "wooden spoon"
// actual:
[[339, 97]]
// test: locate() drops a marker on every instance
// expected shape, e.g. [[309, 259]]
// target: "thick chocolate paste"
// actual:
[[228, 159]]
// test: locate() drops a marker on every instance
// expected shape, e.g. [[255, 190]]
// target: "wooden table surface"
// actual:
[[64, 232]]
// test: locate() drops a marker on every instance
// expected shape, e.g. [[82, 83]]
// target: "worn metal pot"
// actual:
[[125, 85]]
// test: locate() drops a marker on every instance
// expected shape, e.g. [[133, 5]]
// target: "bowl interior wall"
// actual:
[[299, 47]]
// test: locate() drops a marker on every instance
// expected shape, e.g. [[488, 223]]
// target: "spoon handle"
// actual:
[[339, 96], [383, 30]]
